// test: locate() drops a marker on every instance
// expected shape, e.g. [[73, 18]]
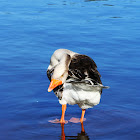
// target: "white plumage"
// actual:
[[85, 97]]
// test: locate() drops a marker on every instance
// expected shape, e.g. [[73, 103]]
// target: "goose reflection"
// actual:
[[80, 136]]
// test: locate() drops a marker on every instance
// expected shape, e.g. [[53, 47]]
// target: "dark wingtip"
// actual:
[[106, 87]]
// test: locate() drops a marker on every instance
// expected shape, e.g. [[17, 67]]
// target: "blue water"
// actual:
[[106, 30]]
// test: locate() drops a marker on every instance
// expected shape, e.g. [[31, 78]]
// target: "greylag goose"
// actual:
[[75, 80]]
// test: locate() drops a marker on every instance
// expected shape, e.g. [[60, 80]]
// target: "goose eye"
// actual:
[[62, 75]]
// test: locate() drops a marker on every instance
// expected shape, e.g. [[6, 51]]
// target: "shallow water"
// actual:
[[106, 30]]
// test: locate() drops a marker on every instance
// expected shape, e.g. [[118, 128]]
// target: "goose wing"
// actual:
[[83, 69]]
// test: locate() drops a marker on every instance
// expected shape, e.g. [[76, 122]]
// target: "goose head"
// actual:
[[60, 73]]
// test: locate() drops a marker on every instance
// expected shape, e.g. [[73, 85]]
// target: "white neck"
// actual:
[[59, 56], [60, 61]]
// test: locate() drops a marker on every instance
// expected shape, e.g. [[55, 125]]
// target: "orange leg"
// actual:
[[62, 120], [62, 132], [82, 116], [82, 127]]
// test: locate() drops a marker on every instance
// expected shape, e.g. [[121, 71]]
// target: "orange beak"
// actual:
[[54, 83]]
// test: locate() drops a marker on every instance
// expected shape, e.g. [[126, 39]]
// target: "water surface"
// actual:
[[106, 30]]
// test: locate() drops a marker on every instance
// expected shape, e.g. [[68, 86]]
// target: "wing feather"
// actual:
[[83, 69]]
